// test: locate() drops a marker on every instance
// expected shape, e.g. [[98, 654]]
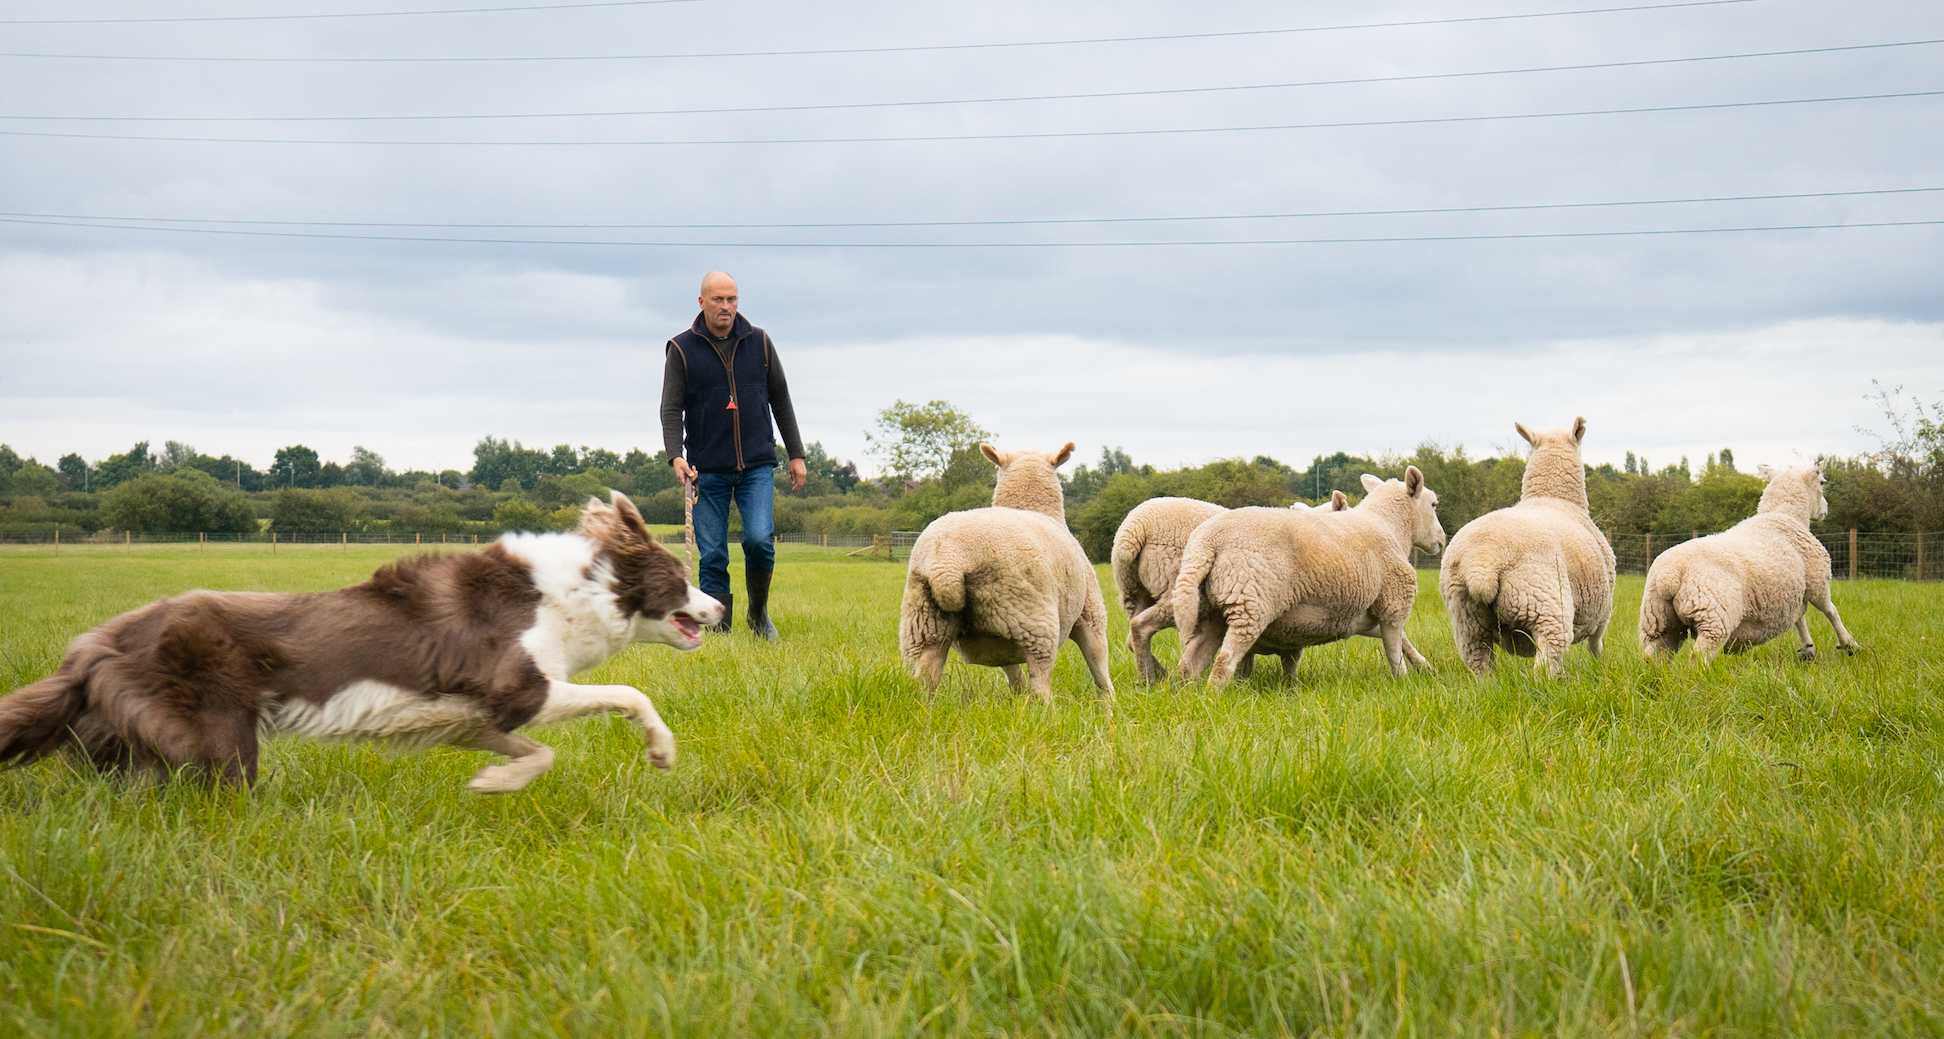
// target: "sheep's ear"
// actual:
[[1339, 501], [1764, 472], [1524, 432], [1371, 483], [1822, 466], [1413, 481], [993, 453], [1065, 453], [1579, 430]]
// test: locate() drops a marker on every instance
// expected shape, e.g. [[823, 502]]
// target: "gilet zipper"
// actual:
[[735, 421]]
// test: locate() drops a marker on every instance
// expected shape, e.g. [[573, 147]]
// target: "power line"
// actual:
[[915, 47], [969, 100], [993, 245], [1528, 207], [1047, 135], [347, 14]]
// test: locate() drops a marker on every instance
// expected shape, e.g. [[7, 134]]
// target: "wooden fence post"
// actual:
[[200, 538], [1920, 557], [128, 542], [344, 541], [415, 539], [1852, 554], [57, 542], [1648, 563], [273, 542]]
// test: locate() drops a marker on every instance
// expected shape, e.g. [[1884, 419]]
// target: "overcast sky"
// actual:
[[321, 326]]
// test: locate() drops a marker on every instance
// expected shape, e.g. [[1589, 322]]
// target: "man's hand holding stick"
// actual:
[[688, 515]]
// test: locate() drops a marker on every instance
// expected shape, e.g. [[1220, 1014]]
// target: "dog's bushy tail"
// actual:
[[37, 720]]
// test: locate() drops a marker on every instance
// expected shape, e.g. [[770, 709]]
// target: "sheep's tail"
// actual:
[[945, 581], [1196, 561], [1658, 615], [1476, 569], [1129, 540]]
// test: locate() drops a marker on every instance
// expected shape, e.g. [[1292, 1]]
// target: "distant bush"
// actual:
[[517, 513], [299, 511], [186, 500]]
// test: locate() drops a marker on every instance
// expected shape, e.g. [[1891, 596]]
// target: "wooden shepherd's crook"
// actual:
[[688, 528]]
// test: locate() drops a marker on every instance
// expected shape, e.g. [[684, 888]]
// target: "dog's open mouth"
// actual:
[[690, 628]]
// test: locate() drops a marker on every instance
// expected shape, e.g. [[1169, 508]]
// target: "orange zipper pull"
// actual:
[[731, 407]]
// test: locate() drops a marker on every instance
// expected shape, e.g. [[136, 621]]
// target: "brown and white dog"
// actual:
[[459, 649]]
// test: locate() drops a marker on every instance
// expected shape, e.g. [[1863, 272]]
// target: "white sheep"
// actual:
[[1006, 584], [1284, 580], [1746, 585], [1535, 577], [1147, 559]]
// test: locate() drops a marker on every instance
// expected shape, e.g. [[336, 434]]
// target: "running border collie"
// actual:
[[456, 649]]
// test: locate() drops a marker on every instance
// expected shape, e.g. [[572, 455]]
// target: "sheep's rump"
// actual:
[[1530, 564], [1306, 579], [1004, 571], [1750, 583], [1148, 547]]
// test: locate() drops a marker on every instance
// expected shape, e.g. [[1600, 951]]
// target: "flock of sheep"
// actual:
[[1008, 584]]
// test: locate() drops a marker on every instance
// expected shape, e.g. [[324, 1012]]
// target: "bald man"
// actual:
[[721, 387]]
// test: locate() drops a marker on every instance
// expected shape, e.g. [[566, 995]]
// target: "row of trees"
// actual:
[[928, 455]]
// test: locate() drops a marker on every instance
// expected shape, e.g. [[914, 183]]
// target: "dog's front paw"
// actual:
[[661, 747], [498, 779]]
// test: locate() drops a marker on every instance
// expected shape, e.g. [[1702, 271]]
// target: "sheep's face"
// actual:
[[1427, 532]]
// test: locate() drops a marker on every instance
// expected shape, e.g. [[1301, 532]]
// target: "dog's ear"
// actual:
[[624, 509], [1065, 453], [994, 455], [1339, 501]]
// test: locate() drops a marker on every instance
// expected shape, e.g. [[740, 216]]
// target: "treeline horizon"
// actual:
[[513, 487]]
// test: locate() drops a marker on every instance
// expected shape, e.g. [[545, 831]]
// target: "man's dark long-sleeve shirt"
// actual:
[[675, 390]]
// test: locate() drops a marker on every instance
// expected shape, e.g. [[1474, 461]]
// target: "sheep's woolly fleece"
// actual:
[[1006, 584], [1536, 577], [1284, 580], [1750, 583], [1147, 559]]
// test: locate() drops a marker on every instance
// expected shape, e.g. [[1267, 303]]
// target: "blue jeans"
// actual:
[[754, 490]]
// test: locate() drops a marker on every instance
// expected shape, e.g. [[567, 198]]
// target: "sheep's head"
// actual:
[[1420, 502], [1027, 479], [1554, 470], [1798, 491]]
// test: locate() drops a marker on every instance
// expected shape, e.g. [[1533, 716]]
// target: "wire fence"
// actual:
[[1852, 554]]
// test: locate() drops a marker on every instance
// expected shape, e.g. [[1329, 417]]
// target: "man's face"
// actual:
[[718, 301]]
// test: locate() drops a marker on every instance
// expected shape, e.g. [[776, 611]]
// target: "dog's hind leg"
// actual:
[[565, 701], [526, 761]]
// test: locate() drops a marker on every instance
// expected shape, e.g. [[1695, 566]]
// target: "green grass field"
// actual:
[[1748, 849]]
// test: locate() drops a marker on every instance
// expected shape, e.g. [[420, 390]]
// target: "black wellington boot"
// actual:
[[759, 588], [728, 610]]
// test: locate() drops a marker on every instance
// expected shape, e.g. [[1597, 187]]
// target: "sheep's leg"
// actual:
[[1392, 632], [1243, 630], [1245, 668], [1015, 677], [1806, 646], [1551, 637], [1289, 661], [1092, 639], [930, 665], [1596, 642], [1844, 641], [1039, 674], [1141, 630], [1474, 628], [1417, 659], [1711, 634], [1198, 652]]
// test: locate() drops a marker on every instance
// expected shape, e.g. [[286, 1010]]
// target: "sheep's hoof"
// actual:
[[1806, 654], [1852, 649]]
